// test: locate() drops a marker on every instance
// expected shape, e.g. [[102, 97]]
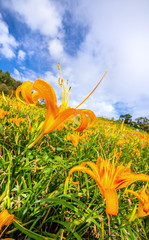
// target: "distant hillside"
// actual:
[[7, 83]]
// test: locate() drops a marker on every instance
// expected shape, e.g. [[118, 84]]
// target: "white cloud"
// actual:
[[99, 105], [56, 49], [24, 74], [103, 109], [21, 55], [39, 15], [17, 75], [117, 40], [7, 41], [50, 78], [16, 72]]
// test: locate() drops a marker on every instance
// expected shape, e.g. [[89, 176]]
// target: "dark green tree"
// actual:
[[7, 83], [127, 118], [143, 123]]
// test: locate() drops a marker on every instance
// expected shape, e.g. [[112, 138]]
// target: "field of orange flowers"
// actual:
[[66, 174]]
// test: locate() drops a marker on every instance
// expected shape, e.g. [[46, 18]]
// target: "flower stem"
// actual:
[[36, 140]]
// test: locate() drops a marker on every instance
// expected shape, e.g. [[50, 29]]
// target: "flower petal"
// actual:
[[5, 218], [124, 180], [91, 115], [18, 90], [46, 92], [141, 212], [35, 97], [84, 121], [97, 176], [111, 201], [26, 91], [94, 168], [81, 169]]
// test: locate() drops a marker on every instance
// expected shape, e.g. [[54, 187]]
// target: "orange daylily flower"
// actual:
[[3, 113], [26, 91], [75, 138], [17, 120], [109, 178], [143, 197], [55, 116], [122, 142], [5, 218]]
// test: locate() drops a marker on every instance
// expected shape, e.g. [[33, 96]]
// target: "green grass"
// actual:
[[33, 180]]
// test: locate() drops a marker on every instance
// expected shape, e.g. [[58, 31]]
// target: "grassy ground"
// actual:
[[33, 183]]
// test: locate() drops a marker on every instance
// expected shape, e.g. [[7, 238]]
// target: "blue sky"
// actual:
[[87, 38]]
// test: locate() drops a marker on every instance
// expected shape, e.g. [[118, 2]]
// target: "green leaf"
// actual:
[[30, 233], [67, 225]]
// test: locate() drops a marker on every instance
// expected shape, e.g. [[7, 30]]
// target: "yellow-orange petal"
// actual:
[[84, 169], [5, 218], [111, 201], [143, 209], [125, 179], [51, 125], [94, 168], [81, 169], [96, 173], [119, 170], [26, 91], [46, 92], [143, 197], [11, 94], [35, 97], [84, 121], [91, 115], [18, 90], [7, 239]]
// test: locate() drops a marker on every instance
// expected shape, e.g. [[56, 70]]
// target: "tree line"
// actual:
[[139, 123], [7, 83]]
